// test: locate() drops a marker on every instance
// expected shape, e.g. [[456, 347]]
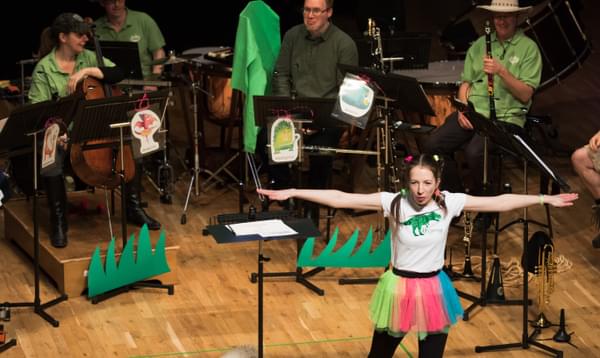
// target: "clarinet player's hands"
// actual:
[[492, 66]]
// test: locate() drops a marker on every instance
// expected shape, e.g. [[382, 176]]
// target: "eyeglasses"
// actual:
[[501, 16], [313, 10]]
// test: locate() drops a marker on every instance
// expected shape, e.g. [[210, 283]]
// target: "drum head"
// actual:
[[554, 26]]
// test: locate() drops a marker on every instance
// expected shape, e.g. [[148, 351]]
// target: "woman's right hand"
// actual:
[[276, 194]]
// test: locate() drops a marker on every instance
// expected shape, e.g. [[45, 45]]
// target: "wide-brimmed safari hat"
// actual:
[[505, 6]]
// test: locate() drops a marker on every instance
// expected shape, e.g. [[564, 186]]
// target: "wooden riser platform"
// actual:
[[87, 230]]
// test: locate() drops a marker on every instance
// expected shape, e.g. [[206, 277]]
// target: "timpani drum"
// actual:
[[440, 81], [217, 81]]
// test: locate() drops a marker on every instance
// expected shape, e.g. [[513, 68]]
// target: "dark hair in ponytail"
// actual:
[[47, 42], [433, 163]]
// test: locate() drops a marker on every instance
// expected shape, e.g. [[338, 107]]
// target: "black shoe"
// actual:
[[57, 207], [135, 213], [139, 217]]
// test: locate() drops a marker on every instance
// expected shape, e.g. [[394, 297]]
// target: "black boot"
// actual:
[[135, 213], [57, 206]]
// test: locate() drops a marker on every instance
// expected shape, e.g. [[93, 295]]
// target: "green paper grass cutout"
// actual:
[[343, 257], [129, 270]]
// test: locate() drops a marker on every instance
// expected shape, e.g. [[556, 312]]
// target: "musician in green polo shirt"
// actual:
[[123, 24], [516, 66], [57, 75]]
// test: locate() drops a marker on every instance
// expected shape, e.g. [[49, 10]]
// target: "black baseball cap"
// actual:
[[69, 22]]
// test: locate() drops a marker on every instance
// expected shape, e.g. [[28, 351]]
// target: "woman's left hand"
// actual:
[[74, 80]]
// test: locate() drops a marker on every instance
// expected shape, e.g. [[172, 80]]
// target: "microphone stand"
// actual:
[[195, 178]]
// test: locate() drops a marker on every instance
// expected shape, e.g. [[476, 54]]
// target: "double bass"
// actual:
[[96, 167]]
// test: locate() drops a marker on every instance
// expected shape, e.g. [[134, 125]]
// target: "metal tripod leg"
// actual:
[[215, 175]]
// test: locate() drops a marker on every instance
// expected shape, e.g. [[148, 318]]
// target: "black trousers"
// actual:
[[450, 137], [383, 345]]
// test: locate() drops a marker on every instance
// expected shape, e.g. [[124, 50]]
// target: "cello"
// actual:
[[95, 167]]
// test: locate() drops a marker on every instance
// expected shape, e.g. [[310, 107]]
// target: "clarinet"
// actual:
[[376, 47], [490, 76], [468, 230]]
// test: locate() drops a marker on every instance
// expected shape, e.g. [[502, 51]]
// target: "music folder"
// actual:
[[126, 55]]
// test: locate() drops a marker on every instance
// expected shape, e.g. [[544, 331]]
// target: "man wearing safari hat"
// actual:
[[516, 66]]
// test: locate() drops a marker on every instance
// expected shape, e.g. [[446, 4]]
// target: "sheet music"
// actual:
[[539, 160], [264, 228]]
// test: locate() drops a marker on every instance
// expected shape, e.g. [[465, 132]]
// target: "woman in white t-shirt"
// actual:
[[416, 295]]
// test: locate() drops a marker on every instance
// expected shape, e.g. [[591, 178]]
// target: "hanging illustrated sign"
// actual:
[[49, 146], [284, 141], [145, 124], [354, 102], [52, 151]]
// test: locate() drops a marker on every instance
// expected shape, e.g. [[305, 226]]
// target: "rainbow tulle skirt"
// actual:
[[422, 305]]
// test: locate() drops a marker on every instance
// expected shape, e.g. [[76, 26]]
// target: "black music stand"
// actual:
[[222, 235], [318, 109], [23, 119], [105, 119], [492, 130], [29, 122], [398, 92], [516, 145]]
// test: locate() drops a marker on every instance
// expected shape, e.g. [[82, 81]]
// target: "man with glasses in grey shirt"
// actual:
[[307, 66]]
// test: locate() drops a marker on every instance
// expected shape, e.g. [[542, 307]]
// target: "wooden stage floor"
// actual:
[[88, 229], [215, 306]]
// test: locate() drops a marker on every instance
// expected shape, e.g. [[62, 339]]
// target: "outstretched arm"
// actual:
[[332, 198], [506, 202]]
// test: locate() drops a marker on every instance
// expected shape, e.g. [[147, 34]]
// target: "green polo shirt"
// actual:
[[309, 66], [139, 27], [521, 57], [48, 80]]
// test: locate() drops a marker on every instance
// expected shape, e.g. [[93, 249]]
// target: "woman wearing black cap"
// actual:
[[57, 75]]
